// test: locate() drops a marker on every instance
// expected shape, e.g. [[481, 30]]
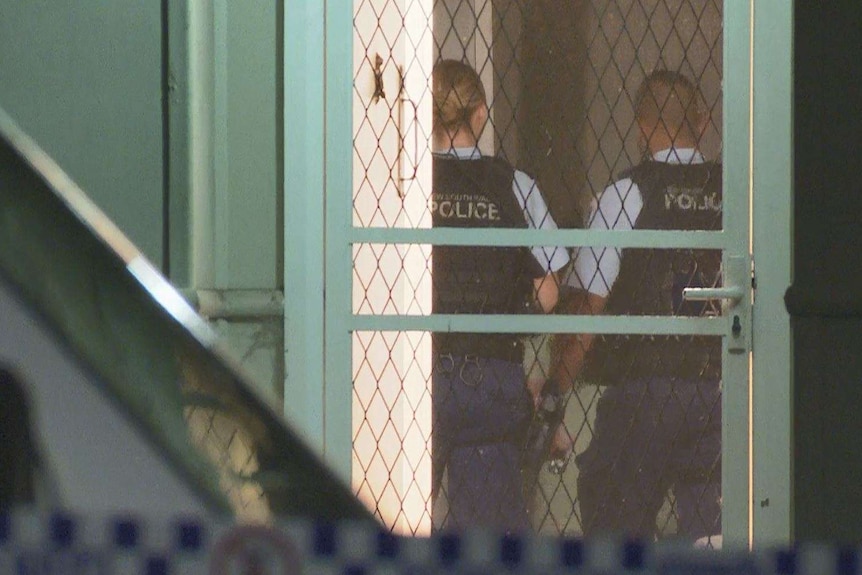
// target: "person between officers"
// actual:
[[480, 403], [658, 422]]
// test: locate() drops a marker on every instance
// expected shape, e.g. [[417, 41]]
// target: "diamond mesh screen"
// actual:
[[561, 81]]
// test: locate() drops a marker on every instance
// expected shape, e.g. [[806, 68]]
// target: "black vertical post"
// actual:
[[825, 299]]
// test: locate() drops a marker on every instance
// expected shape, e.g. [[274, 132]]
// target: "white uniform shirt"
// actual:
[[617, 208], [535, 210]]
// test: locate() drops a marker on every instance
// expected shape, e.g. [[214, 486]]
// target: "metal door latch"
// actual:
[[736, 301]]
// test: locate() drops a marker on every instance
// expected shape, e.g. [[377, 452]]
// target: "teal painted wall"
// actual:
[[247, 145], [84, 80], [246, 198]]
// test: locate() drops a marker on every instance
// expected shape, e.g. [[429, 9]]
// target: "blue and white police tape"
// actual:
[[39, 544]]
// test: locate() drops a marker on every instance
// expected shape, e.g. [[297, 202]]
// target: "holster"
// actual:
[[540, 434]]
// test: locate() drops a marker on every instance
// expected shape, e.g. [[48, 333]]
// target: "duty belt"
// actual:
[[504, 347]]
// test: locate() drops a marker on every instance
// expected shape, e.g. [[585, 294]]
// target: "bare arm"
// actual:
[[547, 291], [568, 350]]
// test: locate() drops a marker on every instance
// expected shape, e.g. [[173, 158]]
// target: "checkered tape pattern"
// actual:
[[64, 543], [34, 543]]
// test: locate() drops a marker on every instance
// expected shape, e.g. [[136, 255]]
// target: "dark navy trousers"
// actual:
[[481, 413], [650, 437]]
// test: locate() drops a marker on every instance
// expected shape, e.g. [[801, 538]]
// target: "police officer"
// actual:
[[480, 401], [658, 423]]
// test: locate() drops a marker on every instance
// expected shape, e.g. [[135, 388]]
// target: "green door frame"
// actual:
[[305, 186], [319, 235], [772, 209]]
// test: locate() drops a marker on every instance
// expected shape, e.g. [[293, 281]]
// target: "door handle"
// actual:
[[403, 100], [731, 293], [736, 301]]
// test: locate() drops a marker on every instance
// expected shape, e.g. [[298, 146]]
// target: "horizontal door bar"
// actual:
[[731, 293], [532, 237], [637, 325]]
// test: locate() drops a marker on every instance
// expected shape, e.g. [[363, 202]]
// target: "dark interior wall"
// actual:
[[553, 57], [825, 300], [508, 48]]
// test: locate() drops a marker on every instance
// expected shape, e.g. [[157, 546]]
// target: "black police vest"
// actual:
[[478, 279], [650, 282]]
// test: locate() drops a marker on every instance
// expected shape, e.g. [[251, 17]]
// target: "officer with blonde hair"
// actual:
[[480, 401]]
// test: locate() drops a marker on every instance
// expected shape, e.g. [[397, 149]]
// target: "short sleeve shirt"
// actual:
[[535, 209], [617, 208]]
